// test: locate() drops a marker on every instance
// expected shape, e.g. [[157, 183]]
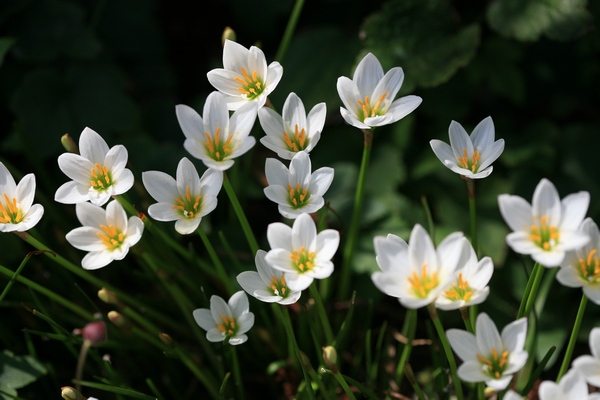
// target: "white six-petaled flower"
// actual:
[[186, 199], [293, 130], [296, 190], [97, 173], [589, 365], [369, 96], [415, 272], [245, 76], [489, 356], [470, 156], [17, 211], [548, 227], [572, 386], [106, 234], [217, 139], [268, 284], [226, 321], [301, 253]]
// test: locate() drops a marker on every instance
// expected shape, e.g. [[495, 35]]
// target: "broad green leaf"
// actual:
[[17, 372]]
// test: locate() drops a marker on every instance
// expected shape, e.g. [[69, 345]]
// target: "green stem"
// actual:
[[344, 385], [314, 293], [356, 214], [289, 30], [216, 261], [408, 330], [240, 214], [573, 340], [536, 278], [14, 277], [237, 375], [472, 212], [464, 313]]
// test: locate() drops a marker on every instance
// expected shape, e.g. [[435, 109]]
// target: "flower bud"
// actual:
[[166, 339], [330, 358], [69, 144], [69, 393], [119, 320], [108, 297], [228, 33], [94, 332]]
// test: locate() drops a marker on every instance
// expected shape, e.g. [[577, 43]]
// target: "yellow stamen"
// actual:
[[423, 284], [111, 238]]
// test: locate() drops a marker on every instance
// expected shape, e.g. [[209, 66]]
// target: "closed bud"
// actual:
[[69, 393], [94, 333], [166, 339], [228, 34], [330, 358], [108, 297], [69, 144], [119, 320]]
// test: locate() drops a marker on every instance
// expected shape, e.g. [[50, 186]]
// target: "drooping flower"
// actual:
[[217, 139], [470, 156], [572, 386], [415, 272], [17, 211], [589, 365], [470, 282], [184, 200], [369, 95], [226, 321], [549, 227], [245, 76], [268, 284], [488, 356], [293, 131], [581, 267], [296, 190], [97, 174], [106, 234], [301, 253]]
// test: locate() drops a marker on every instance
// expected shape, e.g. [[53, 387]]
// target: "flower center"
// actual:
[[544, 236], [228, 327], [590, 268], [111, 238], [423, 284], [101, 178], [472, 164], [298, 196], [10, 213], [495, 364], [297, 142], [460, 291], [252, 86], [188, 206], [217, 149], [369, 110], [278, 286], [303, 260]]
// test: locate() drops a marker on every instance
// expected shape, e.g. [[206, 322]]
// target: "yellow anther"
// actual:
[[111, 238], [424, 283]]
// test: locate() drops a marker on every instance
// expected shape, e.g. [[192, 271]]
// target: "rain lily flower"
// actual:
[[185, 200], [572, 386], [296, 190], [245, 76], [106, 235], [470, 156], [512, 395], [470, 282], [97, 174], [589, 365], [549, 227], [293, 131], [217, 139], [369, 95], [301, 253], [415, 272], [17, 211], [490, 357], [581, 267], [268, 284], [226, 321]]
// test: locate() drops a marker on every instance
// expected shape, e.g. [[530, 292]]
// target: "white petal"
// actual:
[[513, 335], [85, 238], [162, 187], [92, 146], [460, 140], [204, 319], [190, 122], [320, 181], [483, 134], [76, 167], [574, 208], [471, 371], [304, 232], [90, 215], [187, 226], [463, 343], [96, 259], [279, 235], [546, 202], [238, 303], [368, 73], [115, 215], [327, 244], [297, 282], [487, 337], [71, 193], [276, 172], [392, 252], [400, 108]]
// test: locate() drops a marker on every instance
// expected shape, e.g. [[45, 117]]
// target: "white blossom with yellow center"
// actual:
[[17, 211], [106, 235], [97, 174], [470, 156], [548, 227]]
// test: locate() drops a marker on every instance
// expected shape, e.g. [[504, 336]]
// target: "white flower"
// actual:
[[106, 235], [470, 281], [589, 365], [296, 190], [488, 356], [185, 200], [293, 131], [226, 321], [217, 140], [369, 96], [268, 284], [415, 272], [512, 395], [572, 386], [301, 253], [470, 156], [97, 174], [547, 228], [581, 267], [245, 76], [17, 211]]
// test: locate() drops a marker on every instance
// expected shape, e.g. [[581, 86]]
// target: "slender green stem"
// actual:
[[216, 261], [428, 217], [573, 340], [354, 228], [289, 30], [408, 330], [237, 375], [240, 214], [536, 275], [14, 277], [314, 293], [472, 212], [464, 313], [413, 381], [447, 350], [340, 378]]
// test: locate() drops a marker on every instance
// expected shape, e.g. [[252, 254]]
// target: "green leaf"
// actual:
[[528, 20], [17, 372]]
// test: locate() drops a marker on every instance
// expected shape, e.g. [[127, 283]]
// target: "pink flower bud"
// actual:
[[94, 332]]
